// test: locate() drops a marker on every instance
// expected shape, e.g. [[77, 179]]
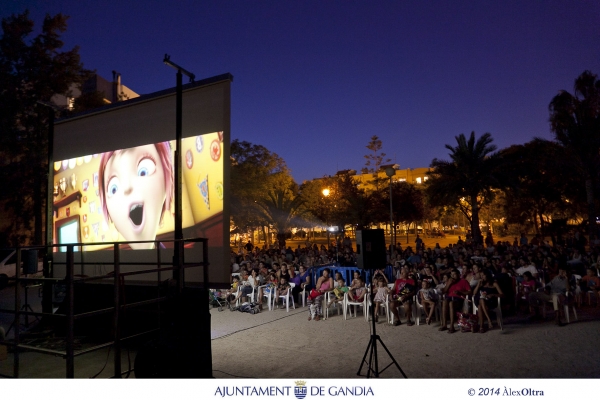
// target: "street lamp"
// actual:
[[326, 193], [390, 172]]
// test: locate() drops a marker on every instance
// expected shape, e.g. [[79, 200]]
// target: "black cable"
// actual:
[[105, 364], [122, 284], [235, 376], [251, 327]]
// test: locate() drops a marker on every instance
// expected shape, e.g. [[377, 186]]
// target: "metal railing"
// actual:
[[70, 279]]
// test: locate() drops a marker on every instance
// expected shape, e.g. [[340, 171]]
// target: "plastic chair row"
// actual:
[[272, 298]]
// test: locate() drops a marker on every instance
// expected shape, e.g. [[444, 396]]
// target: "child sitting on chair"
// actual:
[[269, 287], [231, 293], [283, 287], [358, 290], [338, 291], [528, 284], [381, 292]]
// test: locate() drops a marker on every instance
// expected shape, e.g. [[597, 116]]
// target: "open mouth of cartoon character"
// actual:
[[136, 214]]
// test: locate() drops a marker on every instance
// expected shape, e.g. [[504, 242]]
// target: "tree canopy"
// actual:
[[466, 180], [575, 121], [33, 69]]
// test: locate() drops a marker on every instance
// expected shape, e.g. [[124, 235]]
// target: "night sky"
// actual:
[[314, 80]]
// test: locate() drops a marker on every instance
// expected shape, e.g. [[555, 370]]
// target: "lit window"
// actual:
[[402, 180], [419, 180], [70, 103], [425, 179]]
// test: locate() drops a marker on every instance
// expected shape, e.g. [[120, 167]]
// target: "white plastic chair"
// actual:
[[269, 296], [249, 296], [351, 303], [382, 307], [566, 309], [591, 293], [253, 297], [337, 305], [302, 296], [420, 310], [401, 309], [287, 297], [497, 310]]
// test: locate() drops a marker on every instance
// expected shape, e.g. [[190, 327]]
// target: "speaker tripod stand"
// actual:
[[372, 362], [25, 307]]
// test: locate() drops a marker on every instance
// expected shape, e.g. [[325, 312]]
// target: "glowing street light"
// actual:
[[390, 172], [326, 192]]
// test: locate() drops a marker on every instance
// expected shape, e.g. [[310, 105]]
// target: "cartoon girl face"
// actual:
[[135, 193]]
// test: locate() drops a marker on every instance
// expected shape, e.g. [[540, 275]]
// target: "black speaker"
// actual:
[[30, 261], [370, 249]]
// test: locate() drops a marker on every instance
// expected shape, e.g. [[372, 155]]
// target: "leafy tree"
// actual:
[[282, 207], [375, 159], [89, 101], [535, 183], [575, 121], [345, 205], [407, 202], [32, 70], [263, 191], [252, 167], [467, 180], [319, 205]]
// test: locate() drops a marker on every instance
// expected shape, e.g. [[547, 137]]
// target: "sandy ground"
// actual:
[[278, 344]]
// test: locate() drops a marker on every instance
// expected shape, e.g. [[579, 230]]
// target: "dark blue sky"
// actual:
[[314, 80]]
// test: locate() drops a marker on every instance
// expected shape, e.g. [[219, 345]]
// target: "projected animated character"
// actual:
[[136, 190]]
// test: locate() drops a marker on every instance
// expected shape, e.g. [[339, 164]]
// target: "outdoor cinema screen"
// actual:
[[114, 176]]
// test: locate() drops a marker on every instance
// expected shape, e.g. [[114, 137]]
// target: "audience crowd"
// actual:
[[525, 274]]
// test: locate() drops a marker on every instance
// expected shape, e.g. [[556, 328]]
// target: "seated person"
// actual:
[[455, 292], [357, 289], [472, 275], [402, 294], [284, 272], [428, 274], [248, 284], [282, 288], [231, 293], [269, 287], [485, 296], [315, 298], [381, 291], [556, 292], [591, 282], [379, 274], [336, 279], [428, 299], [529, 285], [339, 289], [296, 279], [524, 266]]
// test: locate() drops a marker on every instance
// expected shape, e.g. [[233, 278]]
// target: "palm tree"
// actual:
[[465, 181], [575, 121], [282, 207]]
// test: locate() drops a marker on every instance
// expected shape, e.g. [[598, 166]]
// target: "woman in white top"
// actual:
[[473, 275], [248, 284]]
